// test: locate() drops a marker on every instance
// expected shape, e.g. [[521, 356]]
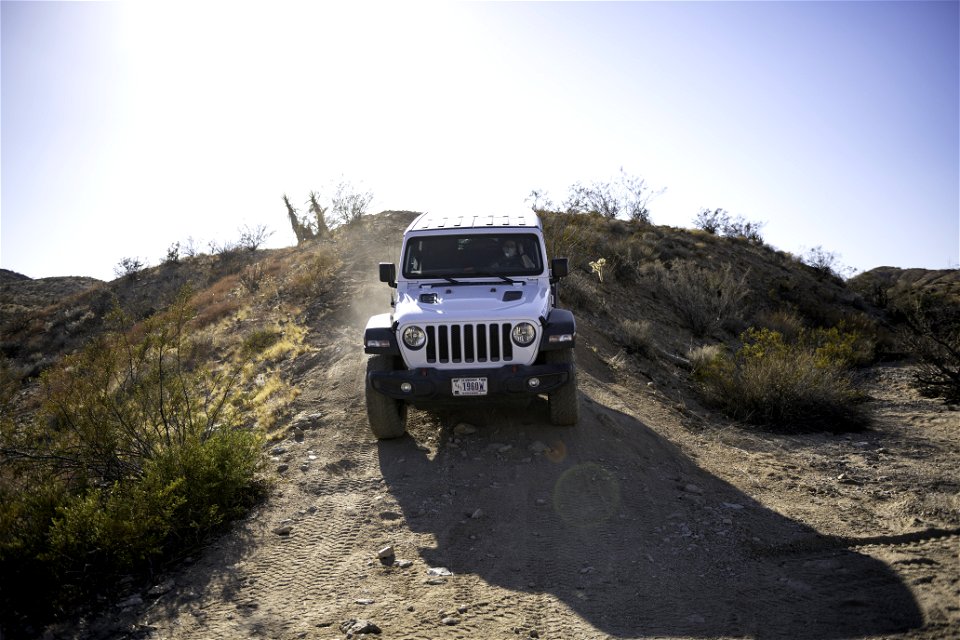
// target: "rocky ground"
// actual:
[[646, 520]]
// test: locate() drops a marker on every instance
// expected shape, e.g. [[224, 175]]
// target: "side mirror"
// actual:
[[388, 273], [558, 268]]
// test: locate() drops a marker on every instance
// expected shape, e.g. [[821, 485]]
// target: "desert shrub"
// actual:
[[825, 263], [252, 238], [785, 385], [565, 236], [636, 335], [740, 227], [704, 299], [139, 451], [787, 323], [577, 292], [712, 222], [703, 355], [719, 222], [173, 254], [252, 277], [627, 196], [129, 267], [316, 276], [348, 204], [931, 333], [262, 339]]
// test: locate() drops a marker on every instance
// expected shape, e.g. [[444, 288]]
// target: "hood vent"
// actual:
[[428, 298], [510, 296]]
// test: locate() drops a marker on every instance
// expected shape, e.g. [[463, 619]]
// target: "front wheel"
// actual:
[[388, 417], [565, 401]]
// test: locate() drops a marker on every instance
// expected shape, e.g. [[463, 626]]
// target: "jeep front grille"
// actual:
[[482, 342]]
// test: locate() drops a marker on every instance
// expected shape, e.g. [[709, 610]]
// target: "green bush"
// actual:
[[138, 453], [786, 385]]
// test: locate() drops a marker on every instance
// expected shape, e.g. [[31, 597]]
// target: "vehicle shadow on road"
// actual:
[[619, 525]]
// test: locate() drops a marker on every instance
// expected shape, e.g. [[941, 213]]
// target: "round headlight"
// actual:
[[523, 334], [414, 337]]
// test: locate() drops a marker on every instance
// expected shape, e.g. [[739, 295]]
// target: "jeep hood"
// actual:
[[474, 303]]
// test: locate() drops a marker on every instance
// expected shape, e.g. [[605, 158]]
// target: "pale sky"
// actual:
[[127, 126]]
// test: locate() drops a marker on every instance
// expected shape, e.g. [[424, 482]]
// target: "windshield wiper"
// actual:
[[487, 274], [480, 274]]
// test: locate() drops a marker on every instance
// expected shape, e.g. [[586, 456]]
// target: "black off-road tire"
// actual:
[[565, 401], [388, 417]]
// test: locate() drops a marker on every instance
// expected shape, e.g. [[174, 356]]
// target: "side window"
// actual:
[[414, 263]]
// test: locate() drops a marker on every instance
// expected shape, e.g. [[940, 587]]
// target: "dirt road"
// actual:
[[639, 522]]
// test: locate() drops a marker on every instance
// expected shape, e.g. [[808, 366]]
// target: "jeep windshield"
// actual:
[[472, 256]]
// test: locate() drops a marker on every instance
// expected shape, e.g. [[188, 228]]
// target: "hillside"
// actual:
[[20, 294], [655, 516], [890, 284]]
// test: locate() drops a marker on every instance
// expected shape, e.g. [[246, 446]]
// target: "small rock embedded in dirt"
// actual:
[[354, 627], [540, 502], [692, 488], [404, 564], [464, 429], [450, 621], [538, 447], [477, 514], [439, 571], [284, 529], [386, 553], [164, 587], [283, 468], [364, 601]]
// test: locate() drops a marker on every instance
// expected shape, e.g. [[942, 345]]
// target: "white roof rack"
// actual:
[[436, 221]]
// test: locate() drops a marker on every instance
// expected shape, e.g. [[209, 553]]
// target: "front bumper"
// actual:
[[435, 386]]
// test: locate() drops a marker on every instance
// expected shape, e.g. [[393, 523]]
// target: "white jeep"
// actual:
[[474, 321]]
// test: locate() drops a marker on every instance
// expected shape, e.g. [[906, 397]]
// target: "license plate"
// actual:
[[469, 386]]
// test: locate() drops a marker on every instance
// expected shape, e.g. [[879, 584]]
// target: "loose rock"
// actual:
[[164, 587], [538, 448], [354, 627], [464, 429], [386, 553]]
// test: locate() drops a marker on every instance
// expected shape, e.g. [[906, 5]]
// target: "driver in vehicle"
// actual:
[[513, 256]]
